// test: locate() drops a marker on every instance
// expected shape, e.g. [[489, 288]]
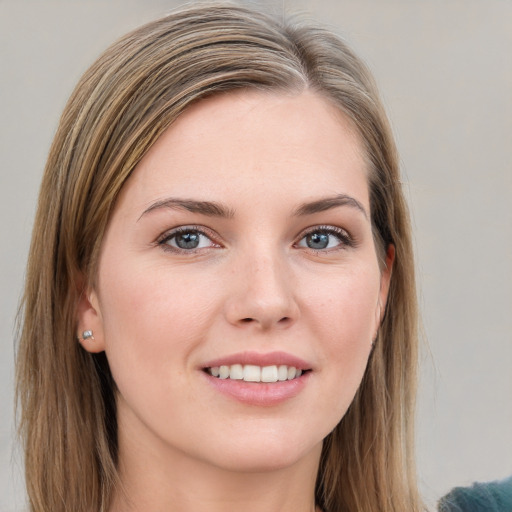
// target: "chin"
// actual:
[[264, 451], [263, 459]]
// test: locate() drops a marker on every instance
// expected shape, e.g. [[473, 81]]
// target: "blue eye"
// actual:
[[320, 239], [186, 239]]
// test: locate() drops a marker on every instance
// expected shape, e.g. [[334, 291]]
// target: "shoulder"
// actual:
[[480, 497]]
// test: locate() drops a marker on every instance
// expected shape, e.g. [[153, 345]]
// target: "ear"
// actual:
[[89, 319], [385, 280]]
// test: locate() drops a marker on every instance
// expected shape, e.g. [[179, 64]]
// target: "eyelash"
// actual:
[[345, 240], [166, 237]]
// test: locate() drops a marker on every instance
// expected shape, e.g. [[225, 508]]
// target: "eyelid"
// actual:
[[346, 239], [202, 230]]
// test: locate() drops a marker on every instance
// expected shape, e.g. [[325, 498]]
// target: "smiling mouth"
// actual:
[[253, 373]]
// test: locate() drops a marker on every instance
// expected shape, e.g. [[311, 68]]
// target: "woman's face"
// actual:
[[239, 250]]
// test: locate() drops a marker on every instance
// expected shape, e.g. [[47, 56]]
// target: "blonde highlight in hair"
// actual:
[[120, 107]]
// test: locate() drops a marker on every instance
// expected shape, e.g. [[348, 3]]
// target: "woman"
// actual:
[[220, 308]]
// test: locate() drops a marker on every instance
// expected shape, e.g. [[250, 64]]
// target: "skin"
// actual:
[[253, 284]]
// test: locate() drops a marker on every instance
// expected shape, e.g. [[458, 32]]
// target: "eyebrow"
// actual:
[[210, 208], [321, 205], [215, 209]]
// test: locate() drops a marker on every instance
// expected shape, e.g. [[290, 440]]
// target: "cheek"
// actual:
[[343, 316], [152, 303], [344, 306], [152, 321]]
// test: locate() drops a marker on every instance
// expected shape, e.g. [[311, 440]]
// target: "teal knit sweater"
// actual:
[[488, 497]]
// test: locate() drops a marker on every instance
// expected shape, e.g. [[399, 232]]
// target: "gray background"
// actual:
[[444, 68]]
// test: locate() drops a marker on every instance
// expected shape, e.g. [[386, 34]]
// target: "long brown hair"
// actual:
[[120, 107]]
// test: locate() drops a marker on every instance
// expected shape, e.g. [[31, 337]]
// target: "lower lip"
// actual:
[[262, 394]]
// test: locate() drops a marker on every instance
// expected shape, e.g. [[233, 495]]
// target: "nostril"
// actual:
[[266, 322]]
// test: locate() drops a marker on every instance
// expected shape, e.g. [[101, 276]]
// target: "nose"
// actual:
[[262, 294]]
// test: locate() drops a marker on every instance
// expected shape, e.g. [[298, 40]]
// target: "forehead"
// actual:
[[254, 143]]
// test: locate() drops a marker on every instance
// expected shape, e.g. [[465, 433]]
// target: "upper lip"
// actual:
[[255, 358]]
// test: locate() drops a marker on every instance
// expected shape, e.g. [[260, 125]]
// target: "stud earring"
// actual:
[[86, 335]]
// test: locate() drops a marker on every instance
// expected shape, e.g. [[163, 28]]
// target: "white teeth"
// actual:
[[236, 372], [223, 372], [269, 374], [253, 373]]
